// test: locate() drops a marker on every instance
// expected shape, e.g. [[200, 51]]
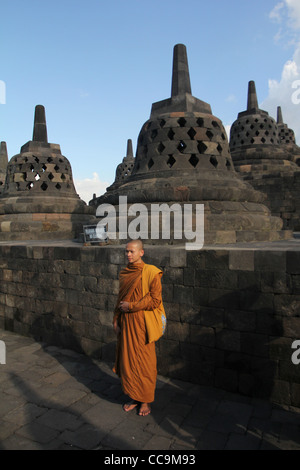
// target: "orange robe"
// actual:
[[136, 359]]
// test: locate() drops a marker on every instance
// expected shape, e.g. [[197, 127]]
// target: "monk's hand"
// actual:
[[124, 306]]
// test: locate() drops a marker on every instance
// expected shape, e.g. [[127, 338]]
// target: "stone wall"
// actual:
[[233, 313]]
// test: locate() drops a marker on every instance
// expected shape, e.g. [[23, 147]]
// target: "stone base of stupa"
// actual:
[[43, 218]]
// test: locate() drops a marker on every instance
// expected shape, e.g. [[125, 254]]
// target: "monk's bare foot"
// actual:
[[145, 409], [130, 406]]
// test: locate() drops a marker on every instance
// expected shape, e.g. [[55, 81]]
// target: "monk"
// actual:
[[136, 357]]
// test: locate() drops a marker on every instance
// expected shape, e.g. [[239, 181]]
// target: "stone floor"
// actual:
[[57, 399]]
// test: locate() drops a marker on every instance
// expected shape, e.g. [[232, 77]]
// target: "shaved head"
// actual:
[[138, 243], [134, 251]]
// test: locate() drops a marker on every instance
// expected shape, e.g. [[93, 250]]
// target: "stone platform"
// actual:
[[56, 399], [233, 311]]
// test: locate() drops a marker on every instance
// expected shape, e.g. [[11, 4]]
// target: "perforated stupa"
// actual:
[[39, 200], [183, 156]]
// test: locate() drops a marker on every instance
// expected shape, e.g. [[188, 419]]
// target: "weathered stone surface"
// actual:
[[39, 200], [183, 157], [3, 164], [265, 154], [235, 334]]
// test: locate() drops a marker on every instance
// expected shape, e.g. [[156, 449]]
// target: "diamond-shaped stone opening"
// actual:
[[44, 186], [171, 134], [263, 140], [209, 134], [56, 168], [32, 167], [150, 163], [201, 147], [44, 168], [37, 159], [200, 122], [29, 186], [191, 133], [171, 161], [215, 124], [181, 121], [162, 123], [161, 147], [37, 177], [49, 159], [194, 160], [63, 177], [58, 186], [50, 176], [154, 134], [228, 164], [181, 146], [219, 148], [213, 161]]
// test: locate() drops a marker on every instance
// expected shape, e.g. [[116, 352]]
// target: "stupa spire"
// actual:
[[252, 97], [181, 77], [279, 115], [3, 156], [129, 153], [40, 126]]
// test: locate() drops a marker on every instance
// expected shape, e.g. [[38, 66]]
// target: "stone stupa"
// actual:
[[183, 157], [3, 164], [264, 153], [39, 200], [124, 169]]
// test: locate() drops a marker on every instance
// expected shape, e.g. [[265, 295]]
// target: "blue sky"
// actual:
[[97, 66]]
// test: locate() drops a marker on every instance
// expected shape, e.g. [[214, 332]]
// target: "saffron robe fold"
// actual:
[[136, 363]]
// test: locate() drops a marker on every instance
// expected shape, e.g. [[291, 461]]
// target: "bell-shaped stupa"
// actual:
[[3, 164], [124, 169], [183, 157], [264, 153], [39, 200]]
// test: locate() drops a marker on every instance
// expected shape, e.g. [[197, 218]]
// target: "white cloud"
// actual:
[[276, 12], [282, 92], [89, 186], [294, 13]]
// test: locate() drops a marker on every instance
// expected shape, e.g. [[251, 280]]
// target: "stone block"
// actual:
[[196, 260], [295, 395], [178, 257], [293, 262], [217, 259], [178, 331], [291, 327], [270, 261], [202, 335], [228, 340], [256, 301], [239, 320], [280, 349], [183, 295], [241, 260], [222, 298], [277, 282], [188, 276], [211, 317], [287, 305], [254, 344]]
